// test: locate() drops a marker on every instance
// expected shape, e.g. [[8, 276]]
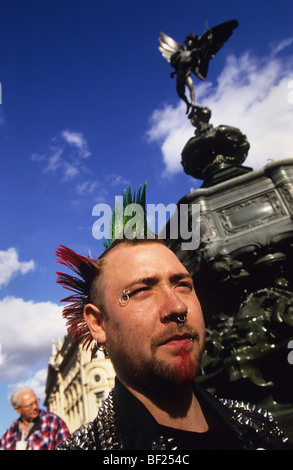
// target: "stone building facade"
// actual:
[[75, 385]]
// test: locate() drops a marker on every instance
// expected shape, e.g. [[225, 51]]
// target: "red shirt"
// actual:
[[47, 432]]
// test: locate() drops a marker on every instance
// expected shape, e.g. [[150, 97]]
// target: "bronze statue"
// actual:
[[212, 149], [194, 56]]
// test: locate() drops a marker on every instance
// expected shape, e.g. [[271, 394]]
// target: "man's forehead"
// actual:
[[143, 258], [26, 396], [140, 248]]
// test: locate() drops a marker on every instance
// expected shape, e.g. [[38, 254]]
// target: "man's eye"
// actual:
[[137, 291], [186, 284]]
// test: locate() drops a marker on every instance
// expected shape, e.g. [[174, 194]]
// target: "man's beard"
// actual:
[[181, 368], [183, 372], [185, 364]]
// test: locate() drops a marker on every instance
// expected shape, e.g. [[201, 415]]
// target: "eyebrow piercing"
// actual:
[[124, 298]]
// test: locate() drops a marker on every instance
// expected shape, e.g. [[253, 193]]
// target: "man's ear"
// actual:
[[94, 319], [17, 409]]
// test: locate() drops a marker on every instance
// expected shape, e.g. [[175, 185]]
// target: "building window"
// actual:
[[99, 398], [97, 378]]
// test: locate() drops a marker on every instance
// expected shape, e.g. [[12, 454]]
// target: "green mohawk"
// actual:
[[129, 218]]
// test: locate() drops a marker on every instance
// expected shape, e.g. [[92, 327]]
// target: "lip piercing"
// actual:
[[124, 298]]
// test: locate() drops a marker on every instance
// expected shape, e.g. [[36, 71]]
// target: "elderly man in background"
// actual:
[[36, 429]]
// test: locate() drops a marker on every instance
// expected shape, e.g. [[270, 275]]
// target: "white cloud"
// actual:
[[67, 159], [54, 160], [70, 170], [278, 47], [37, 157], [87, 187], [66, 156], [37, 382], [251, 94], [10, 266], [26, 331], [117, 180], [99, 190], [76, 139]]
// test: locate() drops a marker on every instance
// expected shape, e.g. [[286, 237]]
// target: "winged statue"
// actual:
[[194, 56]]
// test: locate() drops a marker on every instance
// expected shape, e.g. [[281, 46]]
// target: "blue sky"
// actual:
[[88, 107]]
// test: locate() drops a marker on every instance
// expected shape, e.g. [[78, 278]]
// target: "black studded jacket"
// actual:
[[124, 423]]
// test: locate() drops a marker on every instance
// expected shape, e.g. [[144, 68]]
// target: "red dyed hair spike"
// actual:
[[86, 269]]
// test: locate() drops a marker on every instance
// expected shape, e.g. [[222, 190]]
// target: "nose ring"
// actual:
[[181, 319], [178, 318]]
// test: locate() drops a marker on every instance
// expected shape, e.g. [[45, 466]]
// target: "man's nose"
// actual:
[[172, 306]]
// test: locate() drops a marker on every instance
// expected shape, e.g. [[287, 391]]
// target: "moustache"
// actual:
[[175, 332]]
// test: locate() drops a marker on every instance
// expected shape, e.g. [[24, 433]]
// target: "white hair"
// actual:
[[14, 399]]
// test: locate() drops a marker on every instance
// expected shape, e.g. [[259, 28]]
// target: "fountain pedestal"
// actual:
[[242, 272]]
